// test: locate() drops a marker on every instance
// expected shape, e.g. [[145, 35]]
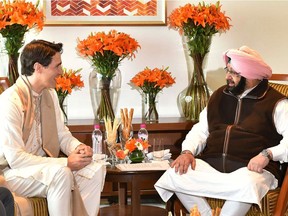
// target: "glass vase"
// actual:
[[110, 149], [12, 46], [193, 99], [149, 107], [64, 107], [104, 93], [13, 73]]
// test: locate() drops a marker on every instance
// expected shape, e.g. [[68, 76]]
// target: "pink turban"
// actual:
[[248, 63]]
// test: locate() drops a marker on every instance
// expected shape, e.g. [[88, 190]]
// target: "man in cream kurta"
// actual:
[[32, 133]]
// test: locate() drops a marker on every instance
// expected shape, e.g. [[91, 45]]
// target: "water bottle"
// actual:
[[97, 140], [143, 133]]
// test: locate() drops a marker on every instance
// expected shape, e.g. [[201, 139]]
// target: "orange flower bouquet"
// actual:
[[134, 148], [70, 79], [16, 18], [151, 82], [105, 52], [198, 23]]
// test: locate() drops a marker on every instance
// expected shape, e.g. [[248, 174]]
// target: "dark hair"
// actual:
[[40, 51]]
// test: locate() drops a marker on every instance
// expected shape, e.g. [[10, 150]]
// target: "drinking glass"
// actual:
[[158, 150]]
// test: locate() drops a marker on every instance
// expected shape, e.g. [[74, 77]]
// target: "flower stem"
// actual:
[[197, 91], [13, 68], [105, 108], [152, 113], [61, 103]]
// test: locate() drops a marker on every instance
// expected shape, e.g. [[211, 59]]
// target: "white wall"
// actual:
[[258, 24]]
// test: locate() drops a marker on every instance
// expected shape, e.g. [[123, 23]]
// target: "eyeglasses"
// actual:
[[231, 72]]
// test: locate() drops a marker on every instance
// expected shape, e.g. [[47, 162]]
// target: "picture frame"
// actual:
[[104, 12]]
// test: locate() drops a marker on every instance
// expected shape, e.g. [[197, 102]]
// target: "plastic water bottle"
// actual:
[[97, 140], [143, 133]]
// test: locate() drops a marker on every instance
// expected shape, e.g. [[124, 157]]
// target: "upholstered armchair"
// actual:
[[275, 201], [4, 84]]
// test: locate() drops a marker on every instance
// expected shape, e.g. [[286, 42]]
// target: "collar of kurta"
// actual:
[[48, 118]]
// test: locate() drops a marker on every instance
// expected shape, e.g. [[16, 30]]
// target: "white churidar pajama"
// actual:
[[205, 181], [59, 193]]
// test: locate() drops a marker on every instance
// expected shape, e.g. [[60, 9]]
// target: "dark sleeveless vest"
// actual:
[[241, 128]]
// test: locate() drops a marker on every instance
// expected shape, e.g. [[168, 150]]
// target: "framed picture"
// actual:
[[105, 12]]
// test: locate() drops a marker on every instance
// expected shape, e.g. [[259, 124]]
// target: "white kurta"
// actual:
[[241, 185]]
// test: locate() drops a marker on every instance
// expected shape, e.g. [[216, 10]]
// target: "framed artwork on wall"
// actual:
[[104, 12]]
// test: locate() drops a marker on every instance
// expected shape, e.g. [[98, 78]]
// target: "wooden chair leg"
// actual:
[[170, 204], [175, 206]]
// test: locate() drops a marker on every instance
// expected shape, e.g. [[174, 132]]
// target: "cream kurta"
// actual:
[[26, 159]]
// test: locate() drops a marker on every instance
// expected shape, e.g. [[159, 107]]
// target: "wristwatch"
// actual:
[[266, 153], [186, 152]]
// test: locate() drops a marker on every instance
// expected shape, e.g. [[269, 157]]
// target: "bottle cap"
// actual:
[[96, 126], [142, 125]]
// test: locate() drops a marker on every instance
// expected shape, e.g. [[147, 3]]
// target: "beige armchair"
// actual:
[[275, 201]]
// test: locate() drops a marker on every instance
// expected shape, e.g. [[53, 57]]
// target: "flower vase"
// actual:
[[193, 99], [136, 156], [12, 47], [104, 93], [63, 106], [13, 73], [149, 107]]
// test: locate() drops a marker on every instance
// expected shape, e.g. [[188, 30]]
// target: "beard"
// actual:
[[239, 88]]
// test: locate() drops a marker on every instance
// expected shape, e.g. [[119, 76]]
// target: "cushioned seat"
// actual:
[[39, 206]]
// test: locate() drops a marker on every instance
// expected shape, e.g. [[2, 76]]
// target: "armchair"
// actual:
[[275, 202], [4, 84]]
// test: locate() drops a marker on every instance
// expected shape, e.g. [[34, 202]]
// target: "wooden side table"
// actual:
[[123, 178]]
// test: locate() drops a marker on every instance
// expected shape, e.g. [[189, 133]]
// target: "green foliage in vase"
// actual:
[[197, 23]]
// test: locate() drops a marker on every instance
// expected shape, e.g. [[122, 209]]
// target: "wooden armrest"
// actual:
[[281, 204], [4, 82]]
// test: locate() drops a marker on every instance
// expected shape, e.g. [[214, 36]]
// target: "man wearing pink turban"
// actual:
[[236, 150], [248, 63]]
